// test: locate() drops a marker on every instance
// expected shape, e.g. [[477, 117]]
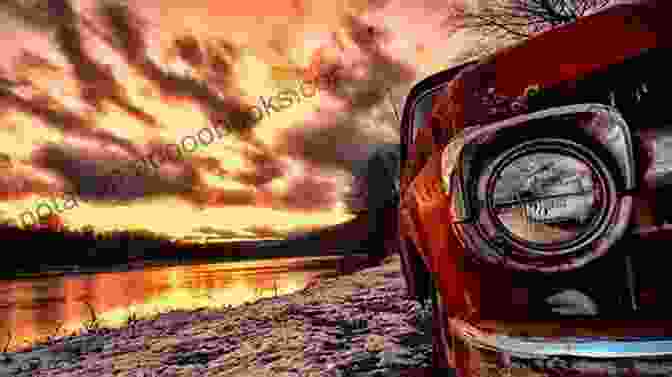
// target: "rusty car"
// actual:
[[533, 207]]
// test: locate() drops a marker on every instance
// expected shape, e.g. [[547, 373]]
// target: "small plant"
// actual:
[[59, 328], [53, 336], [93, 324], [10, 336], [132, 318], [257, 293]]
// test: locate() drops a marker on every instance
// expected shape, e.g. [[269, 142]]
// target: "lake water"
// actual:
[[35, 308]]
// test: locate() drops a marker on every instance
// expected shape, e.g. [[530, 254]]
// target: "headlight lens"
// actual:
[[545, 198]]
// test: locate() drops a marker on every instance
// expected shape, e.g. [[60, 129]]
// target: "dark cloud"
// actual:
[[223, 233], [264, 166], [311, 191], [28, 59], [253, 178], [55, 115], [330, 145], [346, 138], [215, 197], [105, 179], [265, 231], [221, 55], [383, 71], [127, 36], [95, 177], [36, 15], [189, 49], [340, 139], [335, 140], [309, 194], [14, 186], [7, 85], [95, 79]]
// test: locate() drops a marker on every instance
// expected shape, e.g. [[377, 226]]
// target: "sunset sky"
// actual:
[[84, 89]]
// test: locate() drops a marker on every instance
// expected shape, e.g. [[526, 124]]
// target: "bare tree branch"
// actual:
[[497, 23], [520, 18]]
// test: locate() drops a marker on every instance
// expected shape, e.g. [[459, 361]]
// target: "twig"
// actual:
[[55, 334], [394, 109], [93, 324], [94, 317], [10, 336], [132, 318], [59, 327]]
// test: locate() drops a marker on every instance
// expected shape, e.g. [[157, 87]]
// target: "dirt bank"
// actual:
[[352, 325]]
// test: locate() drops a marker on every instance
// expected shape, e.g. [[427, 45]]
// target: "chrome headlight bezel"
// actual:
[[491, 226], [461, 169]]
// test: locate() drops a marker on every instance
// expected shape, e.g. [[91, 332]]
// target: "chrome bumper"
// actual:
[[544, 347]]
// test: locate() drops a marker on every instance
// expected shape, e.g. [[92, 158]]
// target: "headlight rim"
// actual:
[[487, 224]]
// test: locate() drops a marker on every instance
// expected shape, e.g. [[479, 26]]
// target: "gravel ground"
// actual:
[[355, 325]]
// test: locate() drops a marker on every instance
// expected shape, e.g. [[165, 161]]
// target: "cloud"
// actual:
[[328, 144], [127, 36], [91, 174], [97, 177], [15, 186], [263, 166], [345, 135], [224, 233], [304, 168], [217, 197], [96, 79], [265, 231], [54, 114]]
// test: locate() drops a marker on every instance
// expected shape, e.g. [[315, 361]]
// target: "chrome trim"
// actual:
[[536, 347]]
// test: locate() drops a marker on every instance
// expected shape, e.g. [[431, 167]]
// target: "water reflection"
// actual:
[[35, 308]]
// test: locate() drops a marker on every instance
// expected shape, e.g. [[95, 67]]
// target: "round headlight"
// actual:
[[546, 197]]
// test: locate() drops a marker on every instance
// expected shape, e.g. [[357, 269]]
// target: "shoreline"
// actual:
[[192, 260], [361, 321]]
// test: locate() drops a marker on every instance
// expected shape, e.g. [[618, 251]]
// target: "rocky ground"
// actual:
[[355, 325]]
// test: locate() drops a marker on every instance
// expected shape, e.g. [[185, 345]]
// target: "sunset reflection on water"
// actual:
[[35, 308]]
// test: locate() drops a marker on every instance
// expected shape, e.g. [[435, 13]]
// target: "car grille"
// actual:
[[599, 290], [630, 282]]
